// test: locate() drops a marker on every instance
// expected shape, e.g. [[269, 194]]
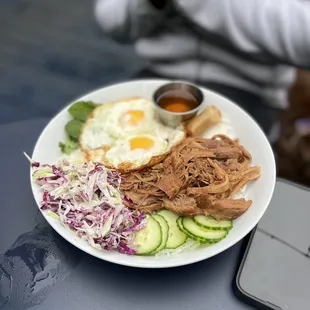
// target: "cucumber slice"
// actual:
[[149, 238], [164, 232], [180, 225], [200, 234], [211, 223], [175, 237]]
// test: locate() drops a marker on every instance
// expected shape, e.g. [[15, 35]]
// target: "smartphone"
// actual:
[[275, 270]]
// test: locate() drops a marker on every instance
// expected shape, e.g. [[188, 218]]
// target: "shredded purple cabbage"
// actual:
[[128, 200], [87, 199]]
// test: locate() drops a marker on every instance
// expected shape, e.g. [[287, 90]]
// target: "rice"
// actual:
[[189, 245], [223, 128], [76, 156]]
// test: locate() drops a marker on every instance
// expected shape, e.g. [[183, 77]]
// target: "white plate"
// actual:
[[46, 151]]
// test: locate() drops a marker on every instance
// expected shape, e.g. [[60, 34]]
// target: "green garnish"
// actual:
[[73, 129], [69, 146], [81, 110]]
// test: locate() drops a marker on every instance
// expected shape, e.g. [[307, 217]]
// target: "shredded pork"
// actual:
[[199, 176]]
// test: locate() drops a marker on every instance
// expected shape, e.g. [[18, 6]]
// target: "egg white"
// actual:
[[94, 133], [105, 137], [121, 151], [118, 123]]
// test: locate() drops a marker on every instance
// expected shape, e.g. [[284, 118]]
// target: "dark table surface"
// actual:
[[39, 269]]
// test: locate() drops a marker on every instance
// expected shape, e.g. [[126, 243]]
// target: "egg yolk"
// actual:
[[133, 117], [141, 143]]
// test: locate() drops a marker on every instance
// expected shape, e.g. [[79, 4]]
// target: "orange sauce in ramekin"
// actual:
[[177, 101]]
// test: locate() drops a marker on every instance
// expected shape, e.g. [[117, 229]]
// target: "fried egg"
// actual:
[[135, 150], [127, 131], [129, 117], [94, 134]]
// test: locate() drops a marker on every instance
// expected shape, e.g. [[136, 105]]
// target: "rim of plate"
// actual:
[[153, 264]]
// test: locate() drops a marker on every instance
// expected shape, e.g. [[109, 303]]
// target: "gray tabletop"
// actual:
[[39, 269]]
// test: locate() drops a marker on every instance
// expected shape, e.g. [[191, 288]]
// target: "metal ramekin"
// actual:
[[173, 119]]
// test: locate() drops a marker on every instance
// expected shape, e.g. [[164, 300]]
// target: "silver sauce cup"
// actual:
[[173, 119]]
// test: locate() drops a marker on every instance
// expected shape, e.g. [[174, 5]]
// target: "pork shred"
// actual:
[[199, 176]]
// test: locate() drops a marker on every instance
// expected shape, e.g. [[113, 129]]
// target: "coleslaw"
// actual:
[[86, 199]]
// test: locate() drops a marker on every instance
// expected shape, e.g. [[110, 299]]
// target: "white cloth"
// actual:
[[250, 44]]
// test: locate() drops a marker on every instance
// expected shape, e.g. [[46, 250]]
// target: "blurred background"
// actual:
[[50, 53], [53, 51]]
